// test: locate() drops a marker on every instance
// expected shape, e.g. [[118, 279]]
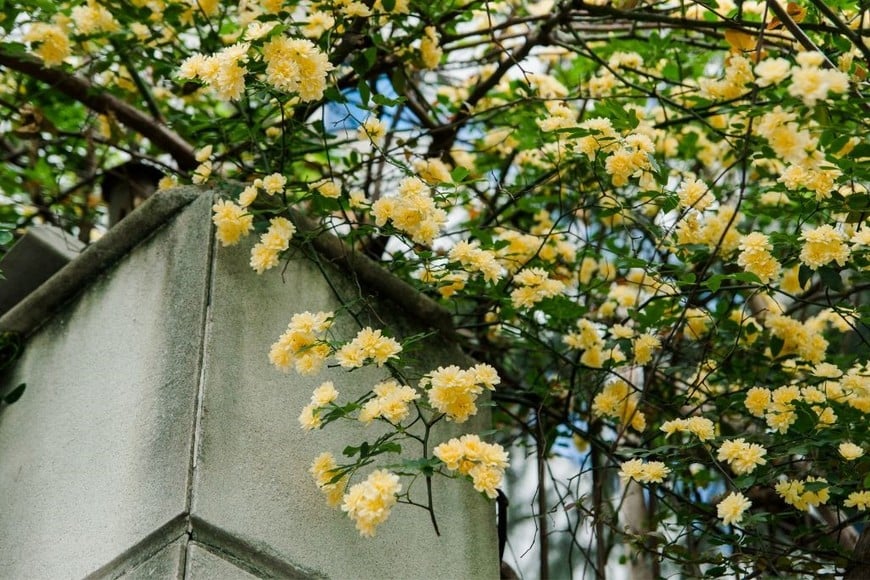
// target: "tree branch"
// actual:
[[83, 91]]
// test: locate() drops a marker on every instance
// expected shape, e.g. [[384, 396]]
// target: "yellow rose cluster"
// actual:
[[296, 66], [795, 493], [475, 259], [390, 402], [823, 245], [532, 286], [755, 257], [323, 395], [49, 42], [701, 427], [412, 211], [369, 502], [777, 407], [302, 345], [741, 456], [619, 401], [323, 469], [232, 222], [454, 391], [293, 65], [483, 462], [265, 254], [651, 472], [590, 339], [368, 345]]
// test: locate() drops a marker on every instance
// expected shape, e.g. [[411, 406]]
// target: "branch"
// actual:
[[83, 91]]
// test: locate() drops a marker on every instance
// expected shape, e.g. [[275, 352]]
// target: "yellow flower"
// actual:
[[644, 346], [858, 499], [430, 51], [454, 391], [756, 258], [694, 194], [652, 472], [232, 222], [53, 43], [274, 183], [368, 345], [701, 427], [731, 509], [757, 401], [743, 457], [369, 503], [823, 245], [323, 469], [483, 462], [849, 451], [391, 402], [296, 66], [93, 19]]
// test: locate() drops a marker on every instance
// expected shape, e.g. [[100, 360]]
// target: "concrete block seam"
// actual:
[[144, 550], [241, 553]]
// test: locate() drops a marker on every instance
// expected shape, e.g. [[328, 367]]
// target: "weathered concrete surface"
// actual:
[[167, 564], [151, 410], [252, 475], [204, 565], [96, 454]]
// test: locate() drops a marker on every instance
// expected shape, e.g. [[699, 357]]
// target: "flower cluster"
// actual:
[[483, 462], [232, 222], [743, 457], [454, 391], [368, 345], [301, 345], [650, 472], [795, 493], [224, 71], [475, 259], [412, 211], [51, 42], [296, 66], [390, 402], [619, 401], [265, 254], [590, 339], [323, 469], [755, 257], [322, 396], [701, 427], [369, 502], [778, 407], [823, 245], [532, 286]]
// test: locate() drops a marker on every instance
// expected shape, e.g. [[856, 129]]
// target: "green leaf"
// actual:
[[831, 278], [364, 92], [458, 174], [15, 394]]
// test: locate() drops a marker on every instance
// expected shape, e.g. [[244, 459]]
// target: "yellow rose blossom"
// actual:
[[743, 457], [849, 451], [232, 222], [730, 510], [323, 470], [369, 503], [52, 42], [858, 499]]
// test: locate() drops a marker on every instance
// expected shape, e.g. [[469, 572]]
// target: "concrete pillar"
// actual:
[[155, 440]]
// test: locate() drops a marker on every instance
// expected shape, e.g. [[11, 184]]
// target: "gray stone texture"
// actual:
[[152, 411]]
